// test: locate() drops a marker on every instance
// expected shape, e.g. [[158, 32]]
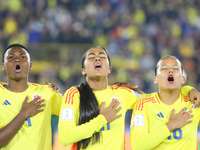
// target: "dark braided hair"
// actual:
[[89, 107]]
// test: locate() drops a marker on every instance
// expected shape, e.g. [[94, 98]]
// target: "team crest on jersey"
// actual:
[[67, 114], [138, 120], [114, 98], [36, 95]]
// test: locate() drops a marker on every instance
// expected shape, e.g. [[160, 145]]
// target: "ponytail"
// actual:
[[89, 109]]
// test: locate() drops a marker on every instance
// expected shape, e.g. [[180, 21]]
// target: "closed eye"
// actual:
[[176, 68], [164, 69], [103, 57], [91, 57]]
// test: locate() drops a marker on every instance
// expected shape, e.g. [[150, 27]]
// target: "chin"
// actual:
[[173, 88], [19, 77]]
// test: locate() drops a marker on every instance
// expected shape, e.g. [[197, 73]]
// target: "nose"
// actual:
[[17, 59], [97, 59], [171, 70]]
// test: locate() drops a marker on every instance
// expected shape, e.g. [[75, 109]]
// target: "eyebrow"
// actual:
[[14, 54], [168, 65], [21, 54], [94, 53]]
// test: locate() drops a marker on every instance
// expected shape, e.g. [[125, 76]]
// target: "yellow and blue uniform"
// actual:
[[35, 133], [112, 136], [149, 130]]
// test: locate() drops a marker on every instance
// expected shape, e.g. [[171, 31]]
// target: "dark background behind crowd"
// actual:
[[136, 33]]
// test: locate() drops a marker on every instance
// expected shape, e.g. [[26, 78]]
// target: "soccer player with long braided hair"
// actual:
[[92, 114]]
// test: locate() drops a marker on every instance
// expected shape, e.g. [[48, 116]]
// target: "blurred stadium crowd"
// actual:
[[136, 33]]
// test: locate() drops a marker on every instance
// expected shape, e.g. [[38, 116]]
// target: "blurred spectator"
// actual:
[[137, 33]]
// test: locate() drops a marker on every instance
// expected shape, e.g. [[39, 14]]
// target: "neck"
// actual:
[[169, 96], [97, 85], [17, 86]]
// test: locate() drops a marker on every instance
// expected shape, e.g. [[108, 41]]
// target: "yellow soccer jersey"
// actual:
[[149, 130], [112, 133], [35, 134]]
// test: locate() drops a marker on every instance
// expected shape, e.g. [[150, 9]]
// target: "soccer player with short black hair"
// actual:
[[26, 108]]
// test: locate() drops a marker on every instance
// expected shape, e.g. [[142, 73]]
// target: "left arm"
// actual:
[[140, 131], [128, 85], [140, 127], [51, 85], [56, 102], [193, 94]]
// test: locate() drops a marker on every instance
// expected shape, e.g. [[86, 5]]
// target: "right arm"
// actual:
[[140, 128], [28, 110], [68, 128]]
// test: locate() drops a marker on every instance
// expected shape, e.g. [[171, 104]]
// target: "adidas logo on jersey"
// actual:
[[6, 102], [160, 115]]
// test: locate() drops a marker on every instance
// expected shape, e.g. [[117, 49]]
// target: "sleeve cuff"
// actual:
[[103, 119]]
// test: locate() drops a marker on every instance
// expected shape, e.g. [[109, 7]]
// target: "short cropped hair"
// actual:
[[13, 45]]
